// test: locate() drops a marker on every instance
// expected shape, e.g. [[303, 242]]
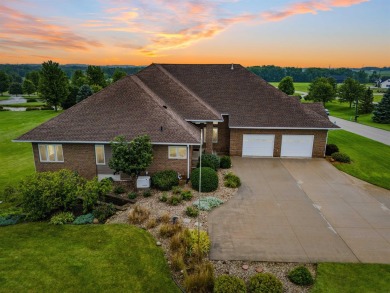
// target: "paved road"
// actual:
[[380, 135], [300, 210]]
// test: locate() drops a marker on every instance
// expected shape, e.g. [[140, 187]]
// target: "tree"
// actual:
[[15, 89], [361, 76], [321, 90], [28, 87], [84, 92], [118, 74], [53, 84], [96, 88], [95, 75], [286, 85], [34, 77], [15, 77], [4, 82], [79, 78], [382, 112], [71, 98], [351, 90], [131, 157], [366, 106]]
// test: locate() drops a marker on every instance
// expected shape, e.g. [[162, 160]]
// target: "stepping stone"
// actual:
[[259, 270], [245, 267], [186, 220], [198, 224]]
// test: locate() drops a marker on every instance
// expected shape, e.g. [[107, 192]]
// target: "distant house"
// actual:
[[385, 84], [230, 109]]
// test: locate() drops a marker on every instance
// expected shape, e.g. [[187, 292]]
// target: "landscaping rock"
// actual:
[[95, 221], [158, 243], [245, 267], [186, 220], [259, 270]]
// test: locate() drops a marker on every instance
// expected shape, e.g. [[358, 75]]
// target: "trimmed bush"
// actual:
[[226, 162], [174, 200], [91, 191], [62, 218], [165, 180], [210, 160], [132, 195], [330, 149], [201, 280], [186, 195], [301, 276], [341, 157], [265, 283], [119, 189], [138, 215], [209, 179], [103, 212], [232, 181], [229, 284], [176, 190], [207, 203], [192, 212], [84, 219]]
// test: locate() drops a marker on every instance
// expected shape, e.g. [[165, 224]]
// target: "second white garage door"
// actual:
[[258, 145], [297, 146]]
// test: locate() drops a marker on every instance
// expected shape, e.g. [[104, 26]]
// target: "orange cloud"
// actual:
[[346, 3]]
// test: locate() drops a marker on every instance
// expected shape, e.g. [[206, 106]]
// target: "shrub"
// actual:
[[201, 280], [84, 219], [178, 262], [174, 200], [62, 218], [119, 189], [207, 203], [164, 197], [232, 181], [186, 195], [132, 195], [198, 241], [192, 212], [210, 160], [301, 276], [229, 284], [165, 180], [165, 218], [152, 223], [103, 212], [138, 215], [330, 149], [9, 220], [147, 193], [225, 162], [176, 190], [177, 242], [92, 191], [168, 230], [209, 179], [265, 283], [341, 157]]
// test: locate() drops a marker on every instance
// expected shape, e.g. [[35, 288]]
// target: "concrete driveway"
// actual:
[[298, 210]]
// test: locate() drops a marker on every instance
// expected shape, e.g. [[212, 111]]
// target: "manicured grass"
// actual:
[[342, 110], [3, 98], [38, 257], [299, 86], [335, 278], [27, 105], [370, 159]]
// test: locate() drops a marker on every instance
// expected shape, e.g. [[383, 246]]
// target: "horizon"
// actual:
[[285, 33]]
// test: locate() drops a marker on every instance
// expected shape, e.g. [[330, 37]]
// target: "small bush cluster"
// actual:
[[174, 200], [229, 284], [151, 223], [165, 180], [164, 197], [198, 241], [201, 280], [62, 218], [84, 219], [168, 230], [186, 195], [147, 193], [301, 276], [210, 160], [341, 157], [103, 212], [119, 189], [132, 195], [330, 149], [139, 215], [209, 179], [9, 220], [192, 212], [265, 283], [225, 162], [165, 218], [207, 203], [231, 180]]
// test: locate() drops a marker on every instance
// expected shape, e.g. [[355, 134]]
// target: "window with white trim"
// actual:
[[215, 134], [51, 153], [99, 154], [177, 152]]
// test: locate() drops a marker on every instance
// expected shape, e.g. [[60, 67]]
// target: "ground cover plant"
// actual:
[[370, 158], [339, 277], [39, 257]]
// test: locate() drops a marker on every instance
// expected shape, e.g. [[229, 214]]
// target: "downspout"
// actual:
[[326, 142], [188, 162]]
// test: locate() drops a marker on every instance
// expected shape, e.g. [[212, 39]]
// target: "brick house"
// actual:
[[231, 109]]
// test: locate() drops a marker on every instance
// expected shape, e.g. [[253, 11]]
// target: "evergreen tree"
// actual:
[[83, 93], [71, 98], [4, 82], [286, 85], [28, 87], [350, 91], [382, 111], [15, 89], [366, 106], [53, 84]]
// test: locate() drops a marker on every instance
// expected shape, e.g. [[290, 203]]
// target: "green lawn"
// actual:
[[370, 159], [39, 257], [367, 278], [299, 86], [27, 105], [342, 110]]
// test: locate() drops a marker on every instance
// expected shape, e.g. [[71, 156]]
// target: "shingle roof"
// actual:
[[317, 108], [123, 108]]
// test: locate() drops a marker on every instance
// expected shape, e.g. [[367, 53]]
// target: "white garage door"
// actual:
[[297, 146], [258, 145]]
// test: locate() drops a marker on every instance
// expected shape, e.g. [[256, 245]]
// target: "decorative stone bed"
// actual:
[[242, 269]]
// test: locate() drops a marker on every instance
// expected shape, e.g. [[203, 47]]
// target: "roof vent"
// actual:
[[232, 68], [161, 129]]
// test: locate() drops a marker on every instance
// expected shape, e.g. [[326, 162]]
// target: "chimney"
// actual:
[[232, 68]]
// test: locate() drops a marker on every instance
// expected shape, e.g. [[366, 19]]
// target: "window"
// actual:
[[177, 152], [51, 153], [215, 134], [99, 154]]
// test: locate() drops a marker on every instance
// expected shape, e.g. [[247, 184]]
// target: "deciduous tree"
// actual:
[[79, 78], [366, 106], [28, 87], [15, 89], [350, 91], [71, 98], [118, 74], [84, 92], [4, 82], [95, 75], [286, 85], [382, 111], [34, 77], [321, 90]]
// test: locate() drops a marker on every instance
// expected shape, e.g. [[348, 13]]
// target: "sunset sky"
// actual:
[[323, 33]]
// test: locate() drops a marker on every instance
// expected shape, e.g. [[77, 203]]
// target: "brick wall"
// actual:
[[77, 157], [222, 146], [318, 146]]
